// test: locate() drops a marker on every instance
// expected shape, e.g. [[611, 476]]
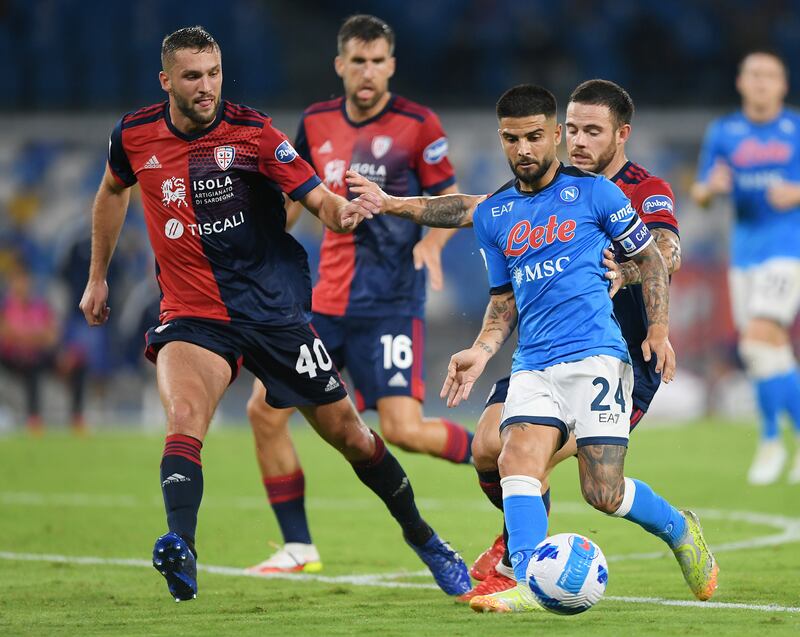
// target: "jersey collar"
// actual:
[[533, 194], [621, 171], [193, 136], [382, 112]]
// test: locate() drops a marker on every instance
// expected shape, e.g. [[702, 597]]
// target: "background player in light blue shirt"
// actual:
[[542, 235], [754, 155]]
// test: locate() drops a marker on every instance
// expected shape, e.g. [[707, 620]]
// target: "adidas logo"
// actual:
[[175, 478], [332, 384], [152, 163], [327, 147], [398, 380]]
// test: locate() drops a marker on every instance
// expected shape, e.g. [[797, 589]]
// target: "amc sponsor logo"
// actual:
[[524, 235], [654, 203]]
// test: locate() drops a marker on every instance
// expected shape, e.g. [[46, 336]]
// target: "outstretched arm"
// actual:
[[337, 213], [428, 250], [467, 365], [108, 215], [655, 290], [445, 211]]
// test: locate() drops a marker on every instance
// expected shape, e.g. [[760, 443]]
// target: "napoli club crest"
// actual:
[[381, 145], [224, 155]]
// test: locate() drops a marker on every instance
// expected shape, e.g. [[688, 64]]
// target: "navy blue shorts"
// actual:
[[384, 356], [499, 392], [292, 362]]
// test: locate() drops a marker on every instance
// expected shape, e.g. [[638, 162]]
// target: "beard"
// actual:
[[365, 105], [530, 178], [189, 110]]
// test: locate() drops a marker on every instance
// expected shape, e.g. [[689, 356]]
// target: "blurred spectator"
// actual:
[[28, 335]]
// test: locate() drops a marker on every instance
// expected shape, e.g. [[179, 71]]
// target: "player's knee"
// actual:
[[399, 434], [519, 458], [264, 419], [183, 417], [604, 498], [764, 360], [484, 453]]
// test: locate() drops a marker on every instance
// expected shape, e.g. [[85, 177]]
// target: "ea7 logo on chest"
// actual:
[[524, 236]]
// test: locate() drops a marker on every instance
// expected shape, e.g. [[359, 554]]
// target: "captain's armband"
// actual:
[[635, 239]]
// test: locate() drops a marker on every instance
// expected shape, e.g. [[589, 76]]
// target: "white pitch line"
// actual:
[[377, 580]]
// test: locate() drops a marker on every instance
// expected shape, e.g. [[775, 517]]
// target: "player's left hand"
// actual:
[[464, 369], [614, 273], [657, 343], [356, 210], [784, 195], [428, 254]]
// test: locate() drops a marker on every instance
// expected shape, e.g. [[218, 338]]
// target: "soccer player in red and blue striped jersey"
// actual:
[[235, 290], [369, 302]]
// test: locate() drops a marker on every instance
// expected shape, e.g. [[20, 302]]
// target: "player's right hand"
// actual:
[[657, 343], [356, 210], [464, 369], [361, 186], [613, 273], [93, 303]]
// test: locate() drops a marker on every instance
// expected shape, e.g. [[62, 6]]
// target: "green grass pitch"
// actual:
[[63, 498]]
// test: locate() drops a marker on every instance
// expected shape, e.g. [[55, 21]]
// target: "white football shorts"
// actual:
[[590, 397], [769, 290]]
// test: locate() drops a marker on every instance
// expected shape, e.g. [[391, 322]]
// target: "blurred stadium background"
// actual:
[[72, 68]]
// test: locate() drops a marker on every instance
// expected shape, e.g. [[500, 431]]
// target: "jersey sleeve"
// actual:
[[654, 201], [710, 151], [280, 162], [432, 165], [616, 216], [493, 257], [118, 159], [301, 142]]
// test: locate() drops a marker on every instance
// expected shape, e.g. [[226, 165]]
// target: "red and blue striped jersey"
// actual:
[[370, 273], [213, 206]]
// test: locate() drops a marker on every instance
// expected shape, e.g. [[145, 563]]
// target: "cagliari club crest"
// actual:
[[224, 155], [381, 145]]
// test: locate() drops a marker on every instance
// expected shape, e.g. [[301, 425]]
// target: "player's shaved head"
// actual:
[[195, 38], [526, 100], [608, 94], [366, 28], [757, 53]]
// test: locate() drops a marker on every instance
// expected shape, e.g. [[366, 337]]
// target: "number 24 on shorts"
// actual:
[[308, 363]]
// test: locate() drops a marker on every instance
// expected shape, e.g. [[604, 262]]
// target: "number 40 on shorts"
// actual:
[[308, 363]]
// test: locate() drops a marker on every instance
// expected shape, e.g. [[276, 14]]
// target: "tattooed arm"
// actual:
[[445, 211], [467, 365], [655, 290], [670, 247]]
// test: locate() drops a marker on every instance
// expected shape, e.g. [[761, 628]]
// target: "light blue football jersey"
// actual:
[[548, 248], [759, 154]]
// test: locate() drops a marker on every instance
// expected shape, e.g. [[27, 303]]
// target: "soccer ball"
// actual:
[[567, 573]]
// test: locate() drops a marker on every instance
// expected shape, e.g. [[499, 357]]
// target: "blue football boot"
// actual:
[[446, 565], [175, 561]]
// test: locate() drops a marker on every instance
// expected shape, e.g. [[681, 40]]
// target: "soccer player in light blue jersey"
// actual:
[[542, 235], [754, 155]]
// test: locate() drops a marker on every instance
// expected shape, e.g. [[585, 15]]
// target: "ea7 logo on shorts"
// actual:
[[173, 229], [436, 151], [569, 194], [654, 203], [381, 145], [224, 156], [622, 214], [173, 190], [285, 153]]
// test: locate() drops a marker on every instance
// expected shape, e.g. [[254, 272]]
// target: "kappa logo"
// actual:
[[381, 144], [332, 384], [173, 229], [334, 173], [152, 163], [398, 380], [224, 156], [569, 194], [326, 147], [285, 152], [436, 151], [174, 190], [175, 478]]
